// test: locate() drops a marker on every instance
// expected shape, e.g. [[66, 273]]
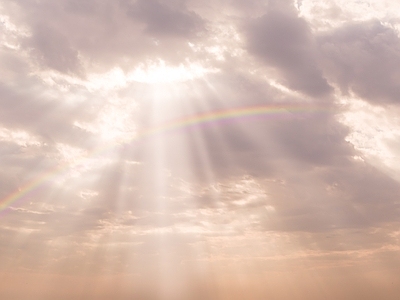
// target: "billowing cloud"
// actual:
[[363, 58], [162, 18], [285, 42]]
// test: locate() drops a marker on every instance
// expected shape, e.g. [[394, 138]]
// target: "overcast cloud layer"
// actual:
[[99, 199]]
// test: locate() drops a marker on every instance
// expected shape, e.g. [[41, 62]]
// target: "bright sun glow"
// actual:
[[375, 132], [160, 72]]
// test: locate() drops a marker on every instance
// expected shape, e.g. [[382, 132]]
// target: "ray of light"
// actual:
[[214, 117]]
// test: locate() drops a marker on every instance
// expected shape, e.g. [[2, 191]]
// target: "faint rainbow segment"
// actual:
[[213, 117]]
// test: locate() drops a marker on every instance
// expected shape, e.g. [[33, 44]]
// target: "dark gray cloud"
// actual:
[[363, 58], [161, 18], [52, 49], [284, 41]]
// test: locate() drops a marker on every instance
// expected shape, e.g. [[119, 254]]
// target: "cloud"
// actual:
[[126, 172], [285, 42], [363, 58], [77, 38], [163, 19], [53, 50]]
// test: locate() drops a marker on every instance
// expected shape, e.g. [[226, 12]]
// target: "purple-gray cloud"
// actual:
[[364, 58], [285, 42]]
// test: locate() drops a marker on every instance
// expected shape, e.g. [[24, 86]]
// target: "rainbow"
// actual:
[[240, 114]]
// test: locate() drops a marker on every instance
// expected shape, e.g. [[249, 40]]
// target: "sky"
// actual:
[[199, 149]]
